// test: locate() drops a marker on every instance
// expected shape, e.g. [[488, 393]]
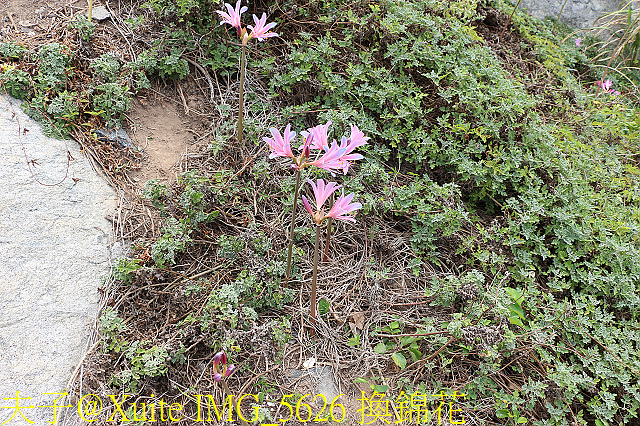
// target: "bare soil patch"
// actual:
[[24, 19], [162, 131]]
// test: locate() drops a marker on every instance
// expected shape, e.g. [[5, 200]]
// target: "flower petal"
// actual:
[[343, 208]]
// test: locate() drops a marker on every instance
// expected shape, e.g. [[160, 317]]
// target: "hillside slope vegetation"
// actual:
[[496, 250]]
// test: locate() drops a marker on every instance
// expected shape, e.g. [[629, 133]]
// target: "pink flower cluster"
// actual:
[[342, 209], [337, 156], [259, 31], [606, 87]]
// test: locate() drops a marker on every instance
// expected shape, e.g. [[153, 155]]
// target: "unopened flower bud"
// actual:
[[217, 377], [306, 150], [220, 359], [230, 369]]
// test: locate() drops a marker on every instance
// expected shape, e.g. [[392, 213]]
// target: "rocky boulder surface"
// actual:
[[576, 13], [54, 253]]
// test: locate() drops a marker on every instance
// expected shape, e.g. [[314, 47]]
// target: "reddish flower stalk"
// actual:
[[293, 225], [325, 256], [342, 209], [314, 281], [509, 20], [243, 66], [260, 31]]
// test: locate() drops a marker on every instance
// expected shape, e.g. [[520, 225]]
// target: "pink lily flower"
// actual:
[[233, 17], [330, 161], [357, 137], [280, 146], [319, 134], [261, 30], [356, 140], [606, 87], [344, 209], [321, 192], [578, 41], [347, 158]]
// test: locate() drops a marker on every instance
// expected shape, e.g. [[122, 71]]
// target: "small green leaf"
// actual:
[[516, 309], [415, 354], [399, 359], [380, 348], [323, 307], [380, 388], [516, 321], [407, 340], [514, 293], [360, 380], [522, 420], [501, 414]]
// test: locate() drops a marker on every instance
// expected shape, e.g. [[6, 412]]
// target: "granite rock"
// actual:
[[579, 14], [54, 251]]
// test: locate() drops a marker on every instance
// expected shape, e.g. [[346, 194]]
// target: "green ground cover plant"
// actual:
[[533, 202], [495, 253]]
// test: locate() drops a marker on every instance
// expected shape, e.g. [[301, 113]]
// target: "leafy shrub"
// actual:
[[124, 268], [195, 197], [190, 12], [54, 61], [85, 27], [16, 82], [107, 68], [174, 239], [238, 304], [109, 325], [143, 363], [64, 110], [170, 65], [12, 50], [229, 246], [155, 192], [194, 202], [112, 101]]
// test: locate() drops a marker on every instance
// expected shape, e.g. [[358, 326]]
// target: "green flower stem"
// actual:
[[293, 224], [233, 401], [315, 278], [90, 10], [241, 100], [559, 14]]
